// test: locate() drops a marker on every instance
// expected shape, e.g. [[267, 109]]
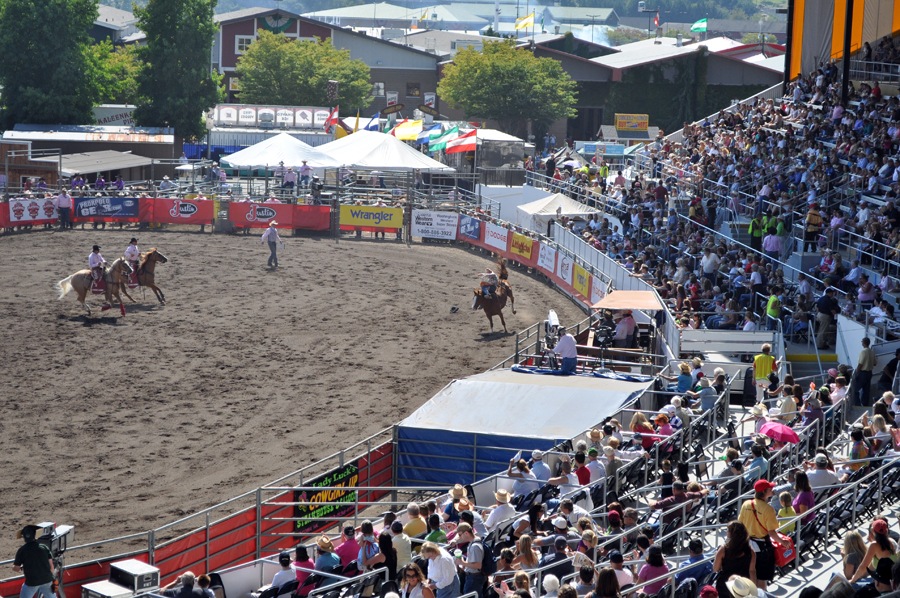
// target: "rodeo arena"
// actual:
[[694, 395]]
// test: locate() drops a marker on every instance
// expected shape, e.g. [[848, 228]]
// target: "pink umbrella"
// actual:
[[779, 432]]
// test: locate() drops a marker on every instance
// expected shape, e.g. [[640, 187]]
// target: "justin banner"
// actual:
[[546, 258], [372, 217], [564, 269], [182, 211], [31, 210], [581, 280], [522, 245], [496, 236], [256, 215], [470, 227], [430, 224], [598, 289]]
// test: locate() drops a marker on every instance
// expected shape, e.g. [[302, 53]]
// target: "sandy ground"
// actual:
[[121, 425]]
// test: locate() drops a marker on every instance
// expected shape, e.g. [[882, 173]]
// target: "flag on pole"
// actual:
[[463, 143], [374, 123], [424, 15], [332, 118], [356, 125], [700, 26], [440, 143], [432, 132], [656, 19], [525, 22]]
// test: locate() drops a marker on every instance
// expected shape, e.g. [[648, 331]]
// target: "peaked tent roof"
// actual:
[[371, 149], [537, 214], [279, 148]]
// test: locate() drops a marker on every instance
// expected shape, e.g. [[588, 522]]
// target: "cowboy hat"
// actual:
[[325, 544], [272, 223], [502, 496], [594, 435], [133, 240], [697, 362], [457, 491], [741, 587], [758, 410]]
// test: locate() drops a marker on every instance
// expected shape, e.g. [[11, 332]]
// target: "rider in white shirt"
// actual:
[[96, 263], [133, 254]]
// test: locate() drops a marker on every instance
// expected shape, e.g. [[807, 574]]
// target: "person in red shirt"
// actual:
[[583, 473]]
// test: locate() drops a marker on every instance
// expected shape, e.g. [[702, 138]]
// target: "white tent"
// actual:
[[537, 214], [275, 150], [370, 149]]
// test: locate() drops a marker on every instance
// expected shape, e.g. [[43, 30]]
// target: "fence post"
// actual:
[[151, 547], [258, 522], [207, 542]]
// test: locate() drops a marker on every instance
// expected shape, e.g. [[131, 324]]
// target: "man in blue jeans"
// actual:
[[35, 560], [471, 563], [566, 348]]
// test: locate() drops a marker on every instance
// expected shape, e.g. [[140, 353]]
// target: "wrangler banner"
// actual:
[[341, 483], [371, 217]]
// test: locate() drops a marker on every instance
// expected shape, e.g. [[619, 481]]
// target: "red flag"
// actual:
[[463, 143], [656, 19], [332, 118]]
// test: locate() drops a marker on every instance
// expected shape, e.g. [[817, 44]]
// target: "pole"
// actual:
[[788, 46], [845, 63]]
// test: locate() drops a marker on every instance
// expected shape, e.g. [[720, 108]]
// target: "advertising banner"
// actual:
[[632, 122], [581, 280], [564, 269], [183, 211], [371, 217], [521, 245], [470, 227], [598, 289], [496, 236], [546, 258], [106, 207], [309, 516], [312, 217], [430, 224], [31, 210], [256, 215]]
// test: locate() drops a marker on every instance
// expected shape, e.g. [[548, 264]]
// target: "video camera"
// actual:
[[551, 329], [603, 336], [55, 537]]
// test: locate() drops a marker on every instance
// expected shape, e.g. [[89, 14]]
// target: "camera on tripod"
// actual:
[[55, 537], [551, 330], [603, 336]]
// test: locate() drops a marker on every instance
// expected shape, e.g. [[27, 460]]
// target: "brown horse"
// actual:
[[145, 276], [80, 282], [493, 305]]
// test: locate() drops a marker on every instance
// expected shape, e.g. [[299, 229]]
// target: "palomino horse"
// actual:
[[144, 275], [80, 282], [493, 306]]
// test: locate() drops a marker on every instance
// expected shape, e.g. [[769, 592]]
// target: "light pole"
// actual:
[[592, 17], [650, 12], [762, 37]]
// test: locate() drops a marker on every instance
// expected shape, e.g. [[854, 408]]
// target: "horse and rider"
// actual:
[[493, 293]]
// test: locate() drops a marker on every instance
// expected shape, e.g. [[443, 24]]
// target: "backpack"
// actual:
[[488, 563]]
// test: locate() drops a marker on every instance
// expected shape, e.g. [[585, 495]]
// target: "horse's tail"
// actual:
[[64, 286]]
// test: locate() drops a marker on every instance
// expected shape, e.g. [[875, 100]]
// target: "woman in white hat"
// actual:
[[271, 237]]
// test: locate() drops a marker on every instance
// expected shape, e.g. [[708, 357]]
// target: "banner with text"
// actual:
[[564, 269], [342, 482], [522, 246], [258, 215], [31, 210], [581, 281], [430, 224], [371, 217], [183, 211], [496, 236], [106, 207], [546, 258], [598, 289], [470, 228]]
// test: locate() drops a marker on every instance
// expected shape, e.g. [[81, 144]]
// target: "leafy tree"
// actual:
[[508, 85], [753, 38], [113, 72], [278, 70], [176, 84], [43, 68]]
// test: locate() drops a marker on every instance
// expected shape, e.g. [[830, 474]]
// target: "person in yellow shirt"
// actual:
[[763, 365], [759, 518]]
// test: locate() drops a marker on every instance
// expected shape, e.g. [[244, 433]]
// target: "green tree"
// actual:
[[113, 72], [176, 84], [510, 86], [278, 70], [43, 69]]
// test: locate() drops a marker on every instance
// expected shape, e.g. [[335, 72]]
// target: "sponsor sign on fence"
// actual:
[[430, 224], [522, 245], [496, 236], [309, 513], [31, 210], [581, 280], [106, 207], [564, 269], [598, 290], [183, 211], [371, 216], [256, 215], [547, 258], [470, 227]]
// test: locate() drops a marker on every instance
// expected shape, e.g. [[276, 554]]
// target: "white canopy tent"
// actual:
[[374, 150], [275, 150], [537, 214]]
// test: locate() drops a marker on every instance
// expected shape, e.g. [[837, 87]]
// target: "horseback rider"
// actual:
[[96, 263], [489, 282], [133, 255]]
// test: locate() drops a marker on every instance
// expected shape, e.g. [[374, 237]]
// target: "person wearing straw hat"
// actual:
[[326, 559], [501, 511], [271, 237]]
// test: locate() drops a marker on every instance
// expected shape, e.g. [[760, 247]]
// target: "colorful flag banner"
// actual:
[[463, 143], [525, 22]]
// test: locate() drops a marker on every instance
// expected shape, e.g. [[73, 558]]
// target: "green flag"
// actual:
[[441, 142], [699, 26]]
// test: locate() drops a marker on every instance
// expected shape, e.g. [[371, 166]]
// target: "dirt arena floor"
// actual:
[[122, 425]]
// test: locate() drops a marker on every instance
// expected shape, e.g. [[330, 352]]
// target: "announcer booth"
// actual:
[[475, 425]]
